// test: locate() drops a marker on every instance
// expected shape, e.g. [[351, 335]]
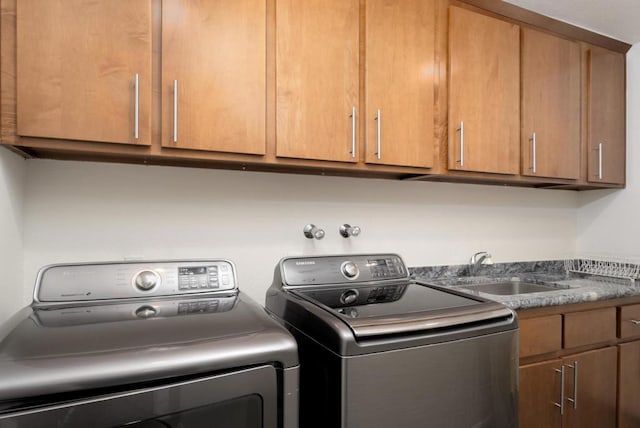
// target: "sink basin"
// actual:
[[512, 287]]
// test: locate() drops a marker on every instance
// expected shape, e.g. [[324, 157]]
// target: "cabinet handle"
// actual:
[[561, 404], [379, 136], [136, 126], [600, 161], [175, 111], [533, 153], [635, 322], [461, 130], [574, 400], [353, 132]]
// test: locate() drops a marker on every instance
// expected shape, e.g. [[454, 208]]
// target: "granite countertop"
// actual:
[[566, 287]]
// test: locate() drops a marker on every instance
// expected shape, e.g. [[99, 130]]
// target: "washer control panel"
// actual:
[[106, 281], [310, 271]]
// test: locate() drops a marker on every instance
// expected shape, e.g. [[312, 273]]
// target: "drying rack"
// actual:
[[607, 268]]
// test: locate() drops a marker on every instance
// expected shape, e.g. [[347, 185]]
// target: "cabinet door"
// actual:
[[540, 390], [629, 385], [77, 66], [590, 388], [550, 106], [317, 81], [606, 157], [213, 75], [399, 77], [484, 93]]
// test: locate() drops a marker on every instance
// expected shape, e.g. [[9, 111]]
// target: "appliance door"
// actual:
[[241, 399], [465, 383]]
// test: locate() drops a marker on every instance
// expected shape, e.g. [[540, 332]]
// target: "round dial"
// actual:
[[349, 297], [350, 270], [146, 312], [146, 280]]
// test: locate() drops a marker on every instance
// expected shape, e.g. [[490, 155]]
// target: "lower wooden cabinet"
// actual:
[[629, 385], [540, 388], [577, 391]]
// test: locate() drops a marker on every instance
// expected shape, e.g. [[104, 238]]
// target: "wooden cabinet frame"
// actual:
[[608, 372], [156, 154]]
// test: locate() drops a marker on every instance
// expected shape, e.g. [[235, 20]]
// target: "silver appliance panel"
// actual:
[[313, 271], [107, 281]]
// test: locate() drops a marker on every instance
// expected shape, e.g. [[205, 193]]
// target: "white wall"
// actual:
[[609, 221], [12, 179], [89, 212]]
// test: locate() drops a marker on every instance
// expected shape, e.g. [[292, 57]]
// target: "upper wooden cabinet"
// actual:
[[400, 50], [550, 106], [84, 70], [214, 75], [484, 93], [317, 79], [606, 98]]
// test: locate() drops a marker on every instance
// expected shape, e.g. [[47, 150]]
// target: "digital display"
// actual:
[[199, 270], [378, 262]]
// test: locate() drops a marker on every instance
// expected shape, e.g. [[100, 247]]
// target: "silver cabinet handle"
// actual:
[[533, 153], [561, 404], [461, 129], [574, 400], [136, 126], [635, 322], [379, 136], [175, 111], [600, 161], [353, 132]]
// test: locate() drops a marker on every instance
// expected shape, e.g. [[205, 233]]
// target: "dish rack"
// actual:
[[607, 268]]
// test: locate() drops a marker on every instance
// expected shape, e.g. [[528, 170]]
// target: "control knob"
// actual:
[[146, 312], [349, 297], [350, 270], [146, 280]]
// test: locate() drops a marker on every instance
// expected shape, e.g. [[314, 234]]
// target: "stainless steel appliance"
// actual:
[[378, 349], [154, 344]]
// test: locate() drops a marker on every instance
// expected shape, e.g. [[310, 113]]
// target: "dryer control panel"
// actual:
[[108, 281], [329, 270]]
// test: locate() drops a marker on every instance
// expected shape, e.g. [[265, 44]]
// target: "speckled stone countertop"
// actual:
[[566, 287]]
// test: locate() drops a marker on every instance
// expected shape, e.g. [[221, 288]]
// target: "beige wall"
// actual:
[[89, 212], [12, 181]]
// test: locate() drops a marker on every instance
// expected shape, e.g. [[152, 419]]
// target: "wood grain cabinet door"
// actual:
[[590, 388], [84, 70], [484, 93], [400, 61], [606, 156], [550, 106], [629, 385], [540, 390], [317, 79], [214, 75]]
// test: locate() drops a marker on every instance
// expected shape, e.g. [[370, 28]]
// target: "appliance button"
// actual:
[[225, 279], [146, 280], [349, 297], [350, 270]]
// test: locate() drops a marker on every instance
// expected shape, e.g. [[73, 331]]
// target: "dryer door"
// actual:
[[241, 399]]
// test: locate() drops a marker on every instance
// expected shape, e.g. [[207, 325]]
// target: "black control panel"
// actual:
[[390, 267]]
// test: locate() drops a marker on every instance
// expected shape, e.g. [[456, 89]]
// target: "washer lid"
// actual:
[[73, 348], [399, 307]]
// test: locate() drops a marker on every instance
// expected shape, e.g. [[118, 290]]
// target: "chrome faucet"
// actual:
[[479, 258]]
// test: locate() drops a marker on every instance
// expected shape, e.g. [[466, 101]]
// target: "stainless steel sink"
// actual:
[[512, 287]]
